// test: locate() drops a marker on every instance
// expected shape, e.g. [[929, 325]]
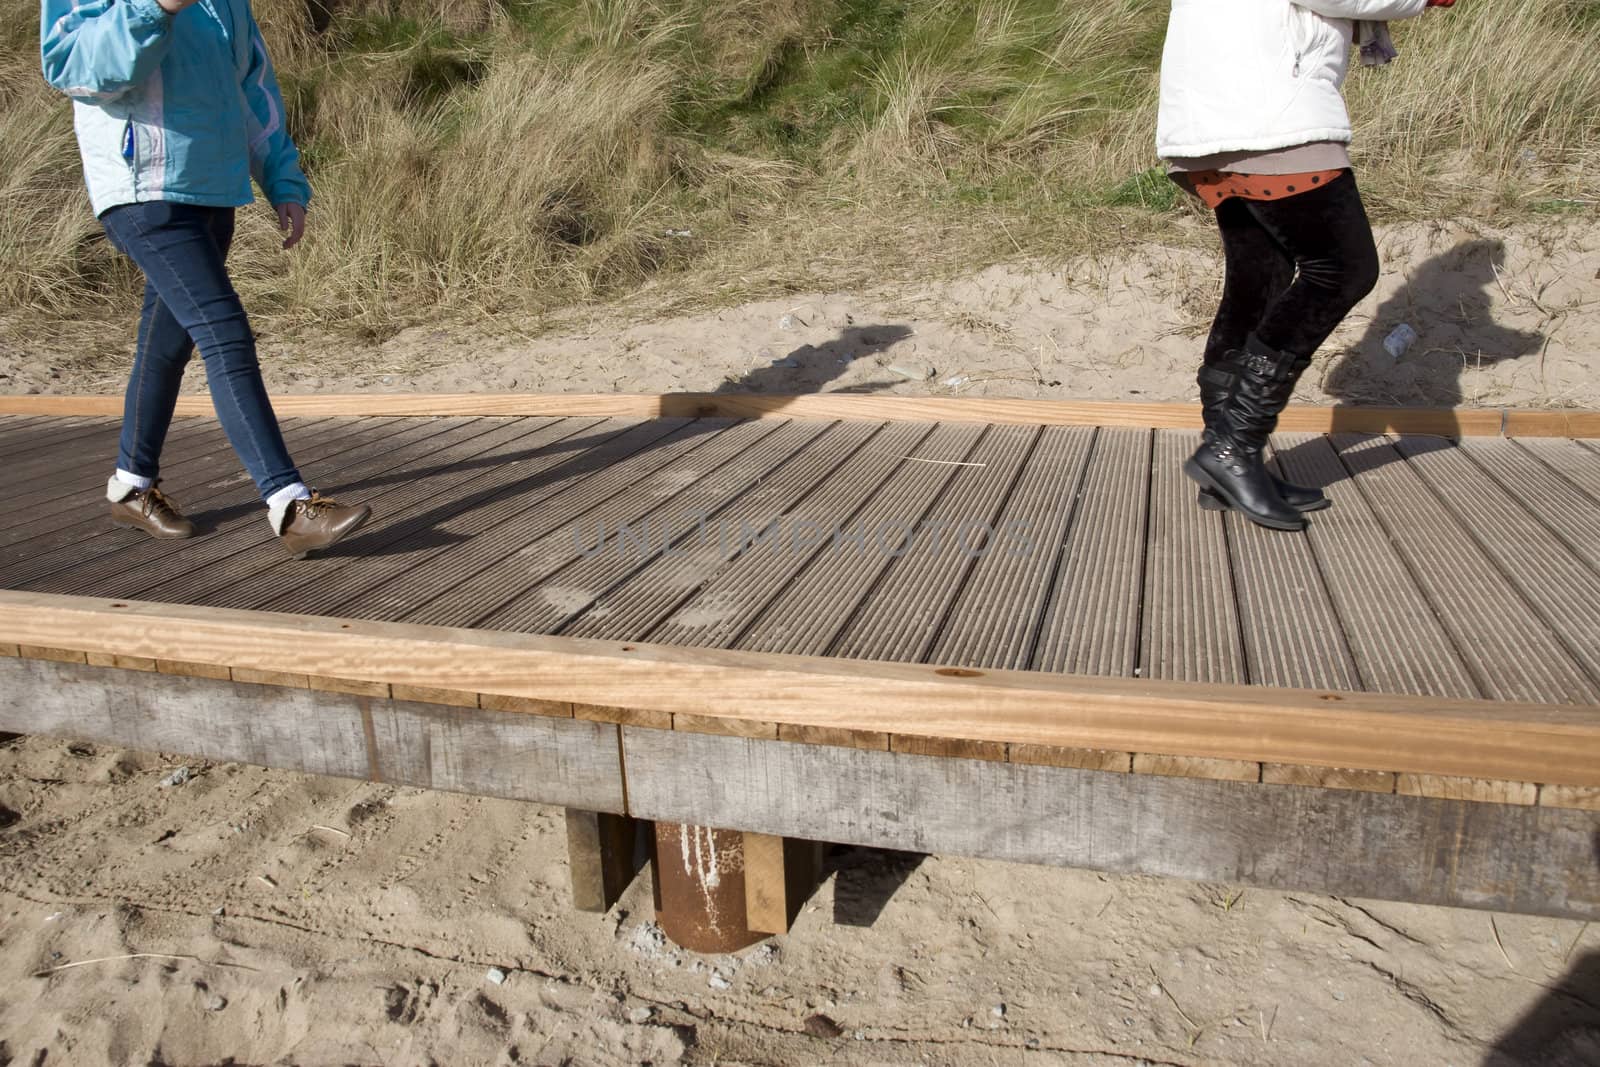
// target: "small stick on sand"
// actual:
[[139, 956]]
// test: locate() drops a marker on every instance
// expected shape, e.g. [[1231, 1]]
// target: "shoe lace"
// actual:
[[158, 504], [316, 503]]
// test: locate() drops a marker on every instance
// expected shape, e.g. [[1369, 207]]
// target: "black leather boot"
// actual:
[[1216, 382], [1228, 461]]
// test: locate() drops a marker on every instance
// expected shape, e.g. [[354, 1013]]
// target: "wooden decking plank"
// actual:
[[1190, 628], [26, 445], [1569, 512], [1394, 635], [493, 598], [35, 457], [248, 546], [995, 620], [191, 456], [496, 493], [28, 558], [1092, 623], [256, 579], [1292, 634], [1562, 588], [581, 480], [808, 615], [899, 620], [43, 475], [577, 584], [639, 603], [418, 507], [725, 604], [1577, 461], [1511, 651], [93, 549]]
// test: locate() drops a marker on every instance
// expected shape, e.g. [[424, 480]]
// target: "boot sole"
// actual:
[[151, 533], [307, 553], [1198, 474], [1210, 500]]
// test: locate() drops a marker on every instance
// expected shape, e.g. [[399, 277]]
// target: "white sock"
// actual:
[[278, 504], [123, 485]]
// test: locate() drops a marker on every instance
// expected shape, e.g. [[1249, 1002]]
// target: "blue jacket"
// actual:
[[171, 107]]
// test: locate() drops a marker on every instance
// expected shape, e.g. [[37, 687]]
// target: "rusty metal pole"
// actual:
[[700, 892]]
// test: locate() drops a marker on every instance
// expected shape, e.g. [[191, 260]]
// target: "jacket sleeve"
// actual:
[[1378, 10], [274, 160], [98, 49]]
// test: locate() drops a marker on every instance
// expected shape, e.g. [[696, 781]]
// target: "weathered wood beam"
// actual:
[[567, 762], [1425, 850], [1538, 743]]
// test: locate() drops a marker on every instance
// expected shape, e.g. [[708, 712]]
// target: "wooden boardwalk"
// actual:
[[1446, 569], [1436, 633]]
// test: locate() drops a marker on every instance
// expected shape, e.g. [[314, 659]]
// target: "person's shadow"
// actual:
[[1563, 1028], [1446, 301], [810, 367]]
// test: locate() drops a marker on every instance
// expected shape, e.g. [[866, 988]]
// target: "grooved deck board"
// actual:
[[91, 542], [1577, 461], [899, 619], [1513, 653], [638, 603], [575, 587], [1562, 588], [1190, 622], [808, 615], [1292, 635], [57, 482], [208, 572], [1396, 639], [1567, 511], [504, 492], [718, 611], [498, 600], [416, 523], [126, 562], [252, 579], [995, 621], [1092, 625], [587, 476]]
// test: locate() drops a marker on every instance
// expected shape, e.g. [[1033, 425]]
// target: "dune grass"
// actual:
[[477, 158]]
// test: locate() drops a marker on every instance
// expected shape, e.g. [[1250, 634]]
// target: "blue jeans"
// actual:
[[188, 299]]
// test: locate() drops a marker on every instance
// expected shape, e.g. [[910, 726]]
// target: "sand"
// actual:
[[278, 918]]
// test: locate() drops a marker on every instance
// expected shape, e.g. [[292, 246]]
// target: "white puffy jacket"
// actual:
[[1256, 75]]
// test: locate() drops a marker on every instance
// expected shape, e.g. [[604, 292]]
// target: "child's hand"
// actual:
[[292, 221], [172, 7]]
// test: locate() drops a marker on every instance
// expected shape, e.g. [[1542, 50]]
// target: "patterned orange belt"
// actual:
[[1215, 186]]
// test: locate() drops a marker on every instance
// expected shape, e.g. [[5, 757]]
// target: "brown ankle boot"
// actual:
[[311, 525], [151, 511]]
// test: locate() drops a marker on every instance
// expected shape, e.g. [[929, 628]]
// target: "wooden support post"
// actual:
[[780, 874], [700, 888], [605, 856]]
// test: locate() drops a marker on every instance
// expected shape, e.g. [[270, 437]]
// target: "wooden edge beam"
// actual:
[[606, 854], [649, 685], [1216, 770], [780, 874], [1581, 798], [1453, 787], [1328, 777], [1448, 422]]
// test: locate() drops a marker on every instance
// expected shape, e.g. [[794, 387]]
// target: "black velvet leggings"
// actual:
[[1295, 268]]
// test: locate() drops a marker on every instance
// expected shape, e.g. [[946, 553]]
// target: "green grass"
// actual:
[[480, 157]]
